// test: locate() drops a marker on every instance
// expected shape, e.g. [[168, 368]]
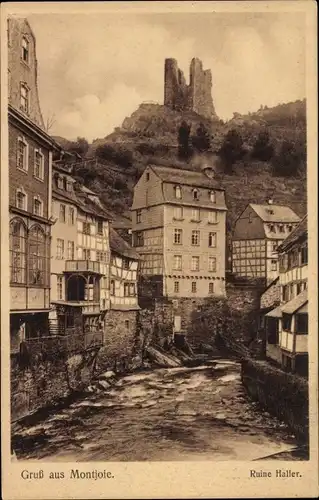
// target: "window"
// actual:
[[60, 182], [176, 286], [60, 248], [194, 287], [178, 213], [289, 228], [99, 227], [210, 288], [274, 265], [212, 239], [195, 214], [281, 228], [70, 250], [24, 98], [21, 200], [69, 186], [302, 324], [212, 217], [138, 239], [212, 196], [195, 194], [178, 192], [37, 206], [129, 289], [195, 264], [298, 288], [274, 246], [86, 228], [304, 254], [177, 262], [138, 216], [250, 218], [60, 287], [286, 322], [62, 213], [272, 228], [147, 176], [285, 293], [17, 252], [22, 154], [195, 238], [178, 236], [127, 324], [36, 256], [112, 287], [86, 254], [38, 165], [71, 216], [126, 264], [25, 50], [212, 264]]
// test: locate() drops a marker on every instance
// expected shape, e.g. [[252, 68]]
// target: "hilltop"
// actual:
[[150, 134]]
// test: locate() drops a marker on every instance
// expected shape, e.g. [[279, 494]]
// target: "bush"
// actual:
[[289, 159], [263, 150], [231, 149], [117, 154]]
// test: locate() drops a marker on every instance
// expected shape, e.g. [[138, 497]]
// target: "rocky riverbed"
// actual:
[[199, 413]]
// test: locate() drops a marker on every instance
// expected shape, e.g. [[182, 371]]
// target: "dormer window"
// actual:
[[195, 194], [25, 50], [270, 211], [60, 182], [69, 186], [281, 228], [24, 97], [178, 192], [272, 228], [212, 196]]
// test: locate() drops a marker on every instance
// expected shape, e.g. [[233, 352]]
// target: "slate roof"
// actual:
[[300, 232], [280, 213], [293, 305], [184, 177], [121, 247]]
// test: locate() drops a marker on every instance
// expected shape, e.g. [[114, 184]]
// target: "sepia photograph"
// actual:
[[157, 241]]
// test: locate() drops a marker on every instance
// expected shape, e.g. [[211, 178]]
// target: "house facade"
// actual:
[[179, 226], [258, 232], [120, 322], [80, 257], [30, 173], [287, 324]]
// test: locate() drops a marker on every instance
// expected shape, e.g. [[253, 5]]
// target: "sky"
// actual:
[[95, 69]]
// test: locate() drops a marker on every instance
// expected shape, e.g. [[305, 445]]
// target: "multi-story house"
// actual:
[[30, 173], [258, 232], [120, 320], [287, 324], [179, 226], [80, 255]]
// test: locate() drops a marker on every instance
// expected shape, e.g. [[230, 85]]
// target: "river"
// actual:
[[200, 413]]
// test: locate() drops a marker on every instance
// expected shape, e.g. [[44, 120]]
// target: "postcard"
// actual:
[[158, 250]]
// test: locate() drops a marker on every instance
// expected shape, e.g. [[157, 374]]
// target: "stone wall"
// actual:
[[120, 341], [283, 395], [197, 96]]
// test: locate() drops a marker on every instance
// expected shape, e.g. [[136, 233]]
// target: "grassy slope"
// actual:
[[150, 134]]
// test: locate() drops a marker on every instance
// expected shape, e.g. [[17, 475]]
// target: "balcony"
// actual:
[[82, 266]]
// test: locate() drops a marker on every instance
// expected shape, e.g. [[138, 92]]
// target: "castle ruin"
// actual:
[[197, 96]]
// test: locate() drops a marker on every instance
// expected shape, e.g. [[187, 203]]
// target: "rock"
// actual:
[[104, 384], [107, 375], [162, 359]]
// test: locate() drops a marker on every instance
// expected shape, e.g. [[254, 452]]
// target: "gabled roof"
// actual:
[[275, 213], [121, 247], [300, 232], [293, 305], [184, 177]]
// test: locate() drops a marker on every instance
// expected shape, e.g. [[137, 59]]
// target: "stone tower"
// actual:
[[197, 96]]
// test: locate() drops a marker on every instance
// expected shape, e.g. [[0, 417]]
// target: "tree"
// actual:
[[231, 149], [263, 149], [289, 159], [80, 146], [50, 122], [201, 141], [184, 151], [117, 154]]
